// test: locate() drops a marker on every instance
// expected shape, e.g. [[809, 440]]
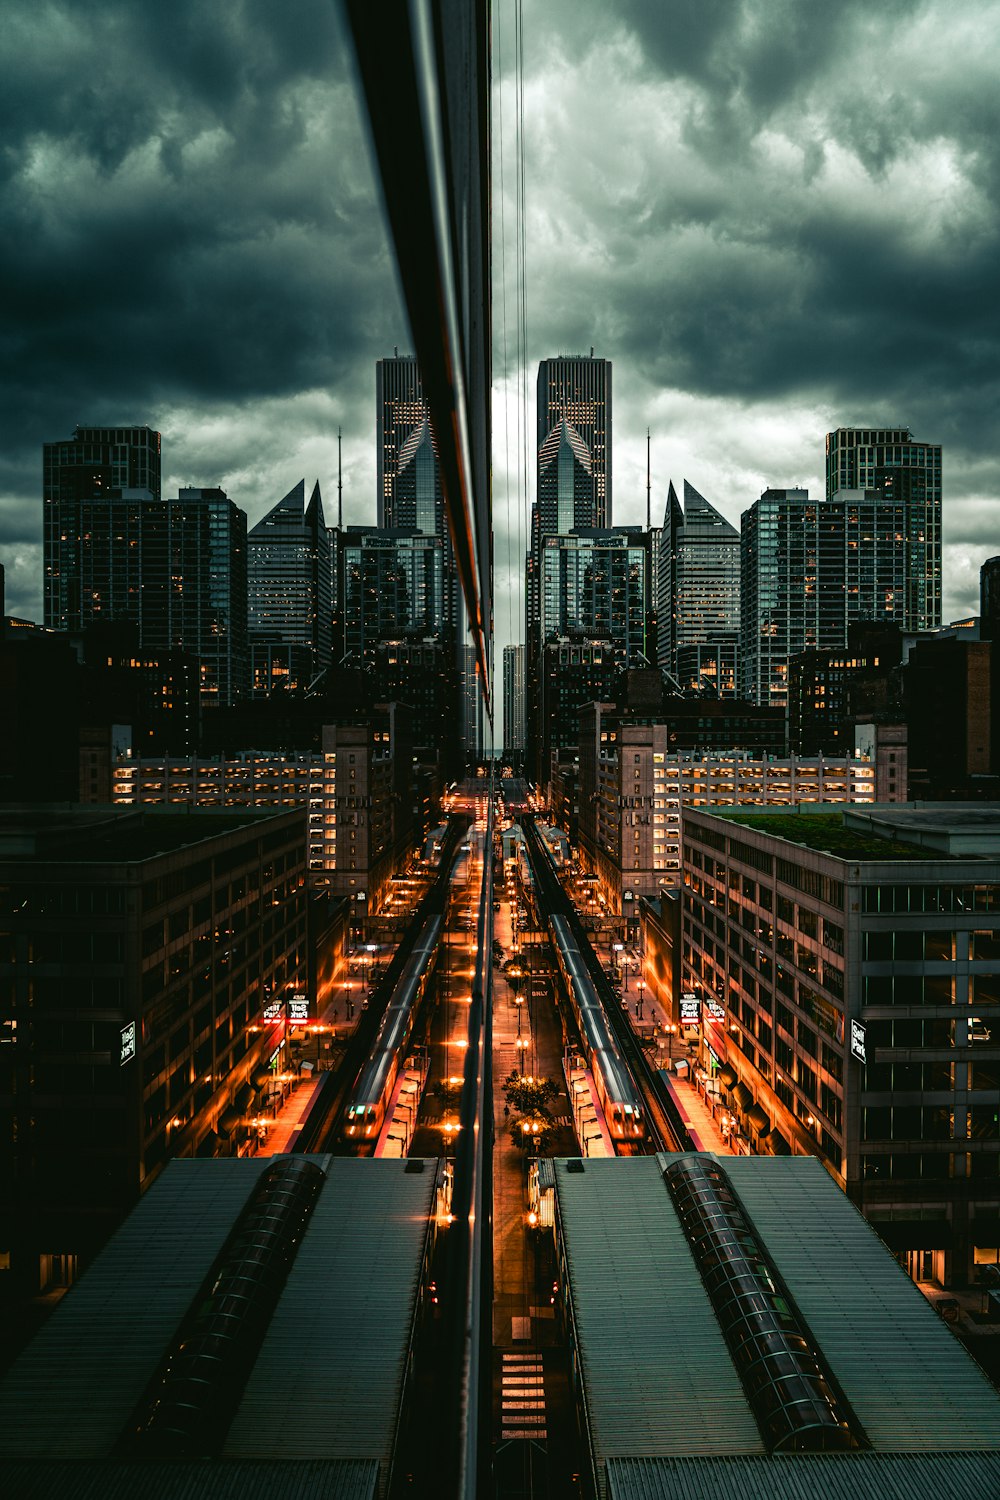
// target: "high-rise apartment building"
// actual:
[[513, 703], [75, 472], [207, 614], [290, 587], [174, 569], [891, 460], [573, 413], [810, 569]]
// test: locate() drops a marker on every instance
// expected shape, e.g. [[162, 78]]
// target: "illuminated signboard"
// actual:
[[715, 1010], [128, 1043], [690, 1009], [858, 1038], [274, 1010], [298, 1007]]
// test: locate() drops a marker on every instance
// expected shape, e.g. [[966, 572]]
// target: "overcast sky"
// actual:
[[775, 217]]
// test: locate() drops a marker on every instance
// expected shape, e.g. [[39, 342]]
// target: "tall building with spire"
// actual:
[[290, 607]]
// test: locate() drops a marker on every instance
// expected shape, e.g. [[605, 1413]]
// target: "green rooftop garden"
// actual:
[[826, 833]]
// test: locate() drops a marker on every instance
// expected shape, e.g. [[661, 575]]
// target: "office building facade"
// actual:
[[140, 955], [847, 970], [290, 589], [596, 584], [707, 669]]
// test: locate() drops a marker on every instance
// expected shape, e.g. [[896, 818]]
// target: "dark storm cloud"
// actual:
[[793, 254], [775, 217], [191, 229]]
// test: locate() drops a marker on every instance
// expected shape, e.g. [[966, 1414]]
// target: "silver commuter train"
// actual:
[[373, 1090], [619, 1098]]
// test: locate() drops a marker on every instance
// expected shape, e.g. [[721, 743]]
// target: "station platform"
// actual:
[[519, 1319]]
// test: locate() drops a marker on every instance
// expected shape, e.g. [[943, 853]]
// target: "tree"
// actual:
[[528, 1100]]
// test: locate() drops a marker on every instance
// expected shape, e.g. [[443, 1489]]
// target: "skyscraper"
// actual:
[[410, 496], [697, 591], [573, 413], [75, 473], [290, 583], [708, 575], [207, 614], [893, 461], [513, 703], [404, 446], [392, 584], [665, 540], [812, 568], [595, 585], [118, 553]]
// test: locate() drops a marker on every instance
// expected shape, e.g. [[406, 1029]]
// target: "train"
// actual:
[[370, 1097], [619, 1098]]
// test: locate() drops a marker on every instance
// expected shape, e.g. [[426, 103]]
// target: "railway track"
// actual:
[[665, 1129]]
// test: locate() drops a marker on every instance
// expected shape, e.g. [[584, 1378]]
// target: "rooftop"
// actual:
[[70, 834], [828, 833], [327, 1381]]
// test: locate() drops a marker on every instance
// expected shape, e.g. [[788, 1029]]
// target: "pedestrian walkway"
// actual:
[[522, 1397]]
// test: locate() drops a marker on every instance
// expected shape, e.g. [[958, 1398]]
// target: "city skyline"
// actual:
[[237, 179]]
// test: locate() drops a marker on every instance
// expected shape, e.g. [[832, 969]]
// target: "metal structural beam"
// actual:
[[425, 71]]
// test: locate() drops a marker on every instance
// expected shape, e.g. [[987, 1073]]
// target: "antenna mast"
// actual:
[[340, 488], [648, 511]]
